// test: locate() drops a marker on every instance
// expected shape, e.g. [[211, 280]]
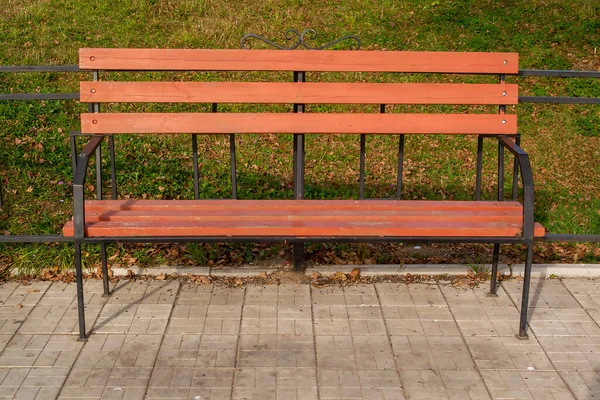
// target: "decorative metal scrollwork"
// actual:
[[301, 38], [289, 35], [312, 35]]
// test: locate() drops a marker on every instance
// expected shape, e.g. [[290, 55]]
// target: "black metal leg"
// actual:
[[515, 183], [500, 172], [400, 166], [113, 167], [361, 179], [525, 297], [479, 167], [195, 162], [299, 147], [233, 167], [493, 282], [104, 270], [299, 167], [79, 280], [99, 173], [298, 256], [73, 153]]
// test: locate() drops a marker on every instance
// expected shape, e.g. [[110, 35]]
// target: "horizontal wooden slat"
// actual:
[[307, 93], [305, 123], [412, 229], [294, 60], [294, 229], [293, 215], [299, 206]]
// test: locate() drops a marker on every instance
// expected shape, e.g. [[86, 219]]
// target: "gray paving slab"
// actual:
[[32, 383], [17, 300], [25, 350], [583, 384], [384, 341]]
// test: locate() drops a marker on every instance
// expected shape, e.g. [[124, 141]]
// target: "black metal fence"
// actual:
[[297, 144]]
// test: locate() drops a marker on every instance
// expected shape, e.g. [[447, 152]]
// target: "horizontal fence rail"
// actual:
[[40, 96], [522, 72], [39, 68], [34, 239], [559, 73], [559, 100], [570, 237], [75, 96]]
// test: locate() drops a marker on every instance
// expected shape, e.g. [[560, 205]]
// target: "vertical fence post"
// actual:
[[298, 248], [501, 110]]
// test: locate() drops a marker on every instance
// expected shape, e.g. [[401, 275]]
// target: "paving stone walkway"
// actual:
[[171, 340]]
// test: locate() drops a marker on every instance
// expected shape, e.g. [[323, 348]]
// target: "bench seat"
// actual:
[[302, 218]]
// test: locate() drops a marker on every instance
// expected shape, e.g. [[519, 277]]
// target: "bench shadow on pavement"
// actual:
[[127, 306]]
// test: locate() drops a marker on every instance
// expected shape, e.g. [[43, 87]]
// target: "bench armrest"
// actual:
[[527, 180], [78, 185]]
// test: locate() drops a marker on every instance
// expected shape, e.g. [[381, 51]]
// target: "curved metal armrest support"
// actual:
[[527, 180], [78, 185]]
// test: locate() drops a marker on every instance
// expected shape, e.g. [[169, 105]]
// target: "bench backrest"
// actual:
[[500, 93]]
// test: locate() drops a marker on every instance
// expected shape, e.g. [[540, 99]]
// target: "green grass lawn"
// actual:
[[563, 141]]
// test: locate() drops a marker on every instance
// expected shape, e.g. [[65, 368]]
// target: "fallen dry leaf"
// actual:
[[339, 276], [321, 283]]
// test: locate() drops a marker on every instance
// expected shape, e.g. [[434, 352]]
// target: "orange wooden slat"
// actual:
[[317, 215], [302, 123], [306, 93], [294, 229], [294, 60], [538, 230], [302, 205]]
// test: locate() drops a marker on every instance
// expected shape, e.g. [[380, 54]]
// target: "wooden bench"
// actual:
[[299, 221]]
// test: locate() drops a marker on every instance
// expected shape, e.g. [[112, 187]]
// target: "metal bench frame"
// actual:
[[522, 164]]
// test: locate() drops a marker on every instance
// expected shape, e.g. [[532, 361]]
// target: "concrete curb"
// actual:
[[539, 270], [162, 270]]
